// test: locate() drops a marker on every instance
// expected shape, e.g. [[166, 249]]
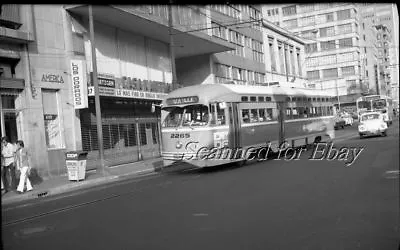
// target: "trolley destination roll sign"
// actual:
[[182, 100]]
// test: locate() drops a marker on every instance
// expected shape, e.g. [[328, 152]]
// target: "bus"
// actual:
[[220, 120], [378, 103]]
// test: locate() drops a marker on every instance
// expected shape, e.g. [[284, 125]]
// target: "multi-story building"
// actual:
[[333, 50], [385, 18], [284, 57], [46, 84], [241, 26]]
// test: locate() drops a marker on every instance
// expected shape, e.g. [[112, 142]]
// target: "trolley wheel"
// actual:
[[318, 139]]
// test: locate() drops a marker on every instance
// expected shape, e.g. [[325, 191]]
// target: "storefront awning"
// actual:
[[9, 92], [186, 43], [12, 83]]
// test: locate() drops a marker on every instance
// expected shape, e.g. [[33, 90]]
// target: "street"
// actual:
[[273, 204]]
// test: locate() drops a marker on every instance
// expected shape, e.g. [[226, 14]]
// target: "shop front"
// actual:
[[130, 128]]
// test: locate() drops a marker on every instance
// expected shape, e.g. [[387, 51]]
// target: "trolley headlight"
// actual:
[[178, 145]]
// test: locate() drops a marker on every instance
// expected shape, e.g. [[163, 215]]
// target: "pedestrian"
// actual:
[[8, 154], [22, 162]]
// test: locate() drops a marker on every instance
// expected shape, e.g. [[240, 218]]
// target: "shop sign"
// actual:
[[50, 117], [52, 78], [182, 100], [126, 93], [104, 80], [78, 85]]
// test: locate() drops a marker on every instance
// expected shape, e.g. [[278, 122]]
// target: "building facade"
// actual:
[[284, 57], [241, 26], [46, 77], [333, 53], [385, 18]]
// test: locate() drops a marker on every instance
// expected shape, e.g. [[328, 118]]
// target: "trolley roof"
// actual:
[[206, 93]]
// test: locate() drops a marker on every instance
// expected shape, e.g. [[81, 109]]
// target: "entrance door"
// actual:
[[281, 121], [8, 118], [234, 126]]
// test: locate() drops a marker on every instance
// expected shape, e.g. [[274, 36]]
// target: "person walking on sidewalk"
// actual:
[[8, 154], [22, 160]]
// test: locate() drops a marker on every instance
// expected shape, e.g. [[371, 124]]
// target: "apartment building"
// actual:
[[46, 76], [284, 57], [385, 17], [241, 26], [333, 53]]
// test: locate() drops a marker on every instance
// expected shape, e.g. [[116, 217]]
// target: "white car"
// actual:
[[372, 123]]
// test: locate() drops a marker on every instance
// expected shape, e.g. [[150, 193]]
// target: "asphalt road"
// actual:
[[274, 204]]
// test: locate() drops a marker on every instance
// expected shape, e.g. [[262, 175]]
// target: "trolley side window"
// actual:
[[217, 114]]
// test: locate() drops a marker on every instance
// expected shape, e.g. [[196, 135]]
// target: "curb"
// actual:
[[74, 187]]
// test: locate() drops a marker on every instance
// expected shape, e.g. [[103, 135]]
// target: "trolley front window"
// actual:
[[192, 115]]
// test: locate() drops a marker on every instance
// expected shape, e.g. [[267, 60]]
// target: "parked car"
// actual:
[[339, 122], [372, 123]]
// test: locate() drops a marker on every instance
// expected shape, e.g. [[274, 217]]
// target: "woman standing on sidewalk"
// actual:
[[24, 167]]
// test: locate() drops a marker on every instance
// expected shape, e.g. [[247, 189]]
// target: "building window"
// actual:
[[312, 62], [257, 48], [328, 31], [281, 58], [309, 20], [328, 45], [219, 31], [346, 43], [329, 73], [289, 10], [310, 48], [348, 71], [325, 60], [345, 57], [343, 14], [344, 28], [310, 34], [292, 61], [272, 54], [313, 75], [329, 17], [290, 23], [52, 121], [306, 8], [259, 77], [222, 72], [299, 62]]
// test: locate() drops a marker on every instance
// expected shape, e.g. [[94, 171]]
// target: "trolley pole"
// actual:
[[172, 46], [101, 167]]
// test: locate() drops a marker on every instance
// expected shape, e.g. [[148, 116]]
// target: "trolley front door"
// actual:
[[234, 126], [281, 121]]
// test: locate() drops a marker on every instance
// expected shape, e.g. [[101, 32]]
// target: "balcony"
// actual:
[[10, 23], [152, 21]]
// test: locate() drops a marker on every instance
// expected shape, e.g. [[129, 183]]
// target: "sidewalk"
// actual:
[[61, 184]]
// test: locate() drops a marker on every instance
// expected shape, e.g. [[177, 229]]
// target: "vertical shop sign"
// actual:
[[79, 88]]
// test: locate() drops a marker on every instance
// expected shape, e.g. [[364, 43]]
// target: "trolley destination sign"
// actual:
[[182, 100]]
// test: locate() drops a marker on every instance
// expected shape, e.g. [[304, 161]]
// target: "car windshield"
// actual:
[[370, 117], [193, 115]]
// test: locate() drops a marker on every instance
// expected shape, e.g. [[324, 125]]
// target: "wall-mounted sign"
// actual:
[[104, 80], [79, 88], [182, 100], [52, 78], [50, 117], [126, 93]]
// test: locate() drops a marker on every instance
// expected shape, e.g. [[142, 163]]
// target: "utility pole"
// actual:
[[172, 45], [337, 93], [101, 167]]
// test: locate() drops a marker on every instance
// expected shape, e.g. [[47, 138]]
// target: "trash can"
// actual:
[[76, 165]]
